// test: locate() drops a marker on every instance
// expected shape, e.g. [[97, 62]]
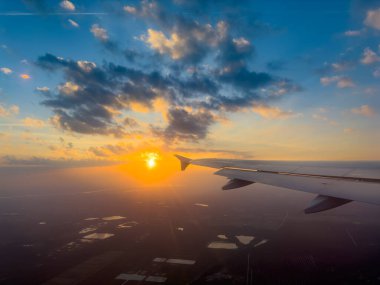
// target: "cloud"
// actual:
[[373, 19], [269, 112], [99, 92], [130, 122], [353, 33], [226, 152], [341, 81], [99, 32], [67, 5], [320, 115], [130, 9], [33, 123], [369, 57], [275, 65], [6, 70], [8, 111], [39, 5], [110, 150], [47, 162], [345, 82], [186, 125], [68, 88], [341, 66], [43, 89], [189, 42], [201, 70], [348, 130], [241, 43], [25, 76], [175, 46], [328, 80], [86, 66], [73, 23], [364, 110], [376, 73]]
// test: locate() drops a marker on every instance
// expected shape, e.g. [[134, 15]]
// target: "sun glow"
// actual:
[[151, 159], [150, 167]]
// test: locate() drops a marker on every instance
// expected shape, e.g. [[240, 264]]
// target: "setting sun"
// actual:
[[151, 159], [151, 162]]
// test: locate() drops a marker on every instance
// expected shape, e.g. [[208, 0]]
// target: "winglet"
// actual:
[[184, 161]]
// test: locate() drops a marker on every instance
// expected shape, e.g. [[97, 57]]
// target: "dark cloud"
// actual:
[[9, 160], [110, 150], [237, 154], [130, 122], [276, 65], [132, 55], [185, 125], [38, 5], [91, 97], [246, 80]]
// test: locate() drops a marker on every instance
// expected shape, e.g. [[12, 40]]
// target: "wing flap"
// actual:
[[323, 203], [236, 183]]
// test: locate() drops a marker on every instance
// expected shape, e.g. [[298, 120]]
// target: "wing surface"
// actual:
[[334, 183]]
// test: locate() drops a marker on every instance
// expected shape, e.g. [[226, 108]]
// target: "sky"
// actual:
[[108, 81]]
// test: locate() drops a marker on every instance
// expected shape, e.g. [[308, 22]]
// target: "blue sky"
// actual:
[[103, 79]]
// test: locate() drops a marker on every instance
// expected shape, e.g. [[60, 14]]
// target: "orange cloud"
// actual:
[[33, 123], [25, 76], [269, 112], [6, 112], [364, 110]]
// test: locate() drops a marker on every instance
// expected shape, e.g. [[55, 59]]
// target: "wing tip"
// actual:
[[184, 161]]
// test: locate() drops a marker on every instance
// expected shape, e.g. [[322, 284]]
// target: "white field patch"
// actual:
[[87, 230], [98, 236], [222, 245], [245, 239], [91, 219], [200, 205], [127, 225], [113, 218]]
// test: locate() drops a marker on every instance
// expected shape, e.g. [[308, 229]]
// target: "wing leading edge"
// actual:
[[334, 186]]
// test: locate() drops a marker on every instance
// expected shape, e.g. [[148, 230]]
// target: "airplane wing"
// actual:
[[335, 184]]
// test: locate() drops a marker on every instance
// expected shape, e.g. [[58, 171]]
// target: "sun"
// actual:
[[150, 159], [151, 162]]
